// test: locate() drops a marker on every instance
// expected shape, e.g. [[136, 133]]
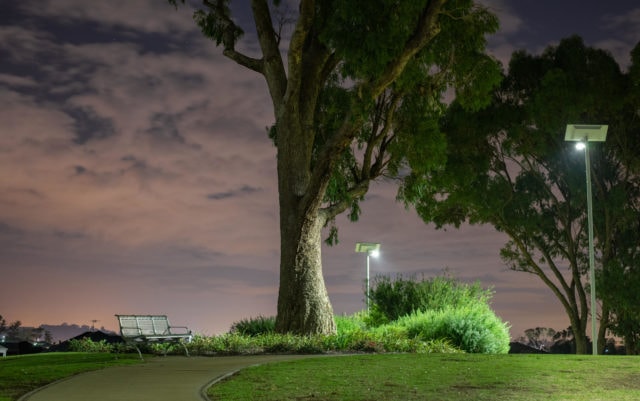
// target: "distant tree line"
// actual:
[[549, 340], [14, 331]]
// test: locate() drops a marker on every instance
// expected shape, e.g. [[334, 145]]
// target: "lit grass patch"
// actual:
[[443, 377], [21, 374]]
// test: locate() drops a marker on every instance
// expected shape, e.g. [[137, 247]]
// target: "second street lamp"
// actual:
[[583, 134], [372, 249]]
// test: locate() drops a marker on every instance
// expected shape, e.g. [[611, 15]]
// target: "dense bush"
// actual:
[[472, 328], [391, 299], [440, 308], [88, 345], [254, 326]]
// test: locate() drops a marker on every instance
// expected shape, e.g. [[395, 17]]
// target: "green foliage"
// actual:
[[619, 286], [366, 33], [473, 328], [355, 322], [254, 326], [289, 343], [215, 22], [459, 311], [394, 298], [88, 345], [352, 336], [508, 165], [437, 309]]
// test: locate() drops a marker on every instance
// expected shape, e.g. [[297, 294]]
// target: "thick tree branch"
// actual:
[[426, 30], [380, 131], [539, 272], [356, 192], [254, 64], [273, 67], [296, 46]]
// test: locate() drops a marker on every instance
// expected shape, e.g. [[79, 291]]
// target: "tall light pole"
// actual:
[[583, 134], [372, 249]]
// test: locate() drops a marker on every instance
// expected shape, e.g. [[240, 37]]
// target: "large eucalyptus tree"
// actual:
[[357, 89]]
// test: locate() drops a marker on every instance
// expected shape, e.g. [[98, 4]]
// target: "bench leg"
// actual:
[[139, 353], [186, 351]]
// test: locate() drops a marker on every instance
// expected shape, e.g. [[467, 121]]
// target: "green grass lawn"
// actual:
[[441, 377], [21, 374], [438, 377]]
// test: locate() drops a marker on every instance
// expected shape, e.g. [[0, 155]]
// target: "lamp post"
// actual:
[[372, 249], [583, 134]]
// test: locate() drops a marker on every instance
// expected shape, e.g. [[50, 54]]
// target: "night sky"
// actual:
[[136, 175]]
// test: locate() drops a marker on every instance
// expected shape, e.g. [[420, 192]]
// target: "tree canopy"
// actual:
[[508, 166]]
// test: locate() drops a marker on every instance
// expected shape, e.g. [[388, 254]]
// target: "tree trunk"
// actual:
[[303, 303], [579, 335], [603, 326], [582, 347]]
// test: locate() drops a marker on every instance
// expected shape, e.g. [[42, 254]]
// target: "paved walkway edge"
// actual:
[[205, 388], [25, 397]]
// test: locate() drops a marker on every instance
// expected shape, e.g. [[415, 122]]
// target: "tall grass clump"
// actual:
[[254, 326], [473, 328], [393, 298], [440, 308]]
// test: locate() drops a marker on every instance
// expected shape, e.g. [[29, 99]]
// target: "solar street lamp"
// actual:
[[372, 249], [583, 134]]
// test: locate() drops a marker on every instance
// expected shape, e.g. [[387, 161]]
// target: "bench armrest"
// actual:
[[184, 329]]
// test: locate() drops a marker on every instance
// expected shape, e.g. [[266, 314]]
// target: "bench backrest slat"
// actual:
[[144, 325]]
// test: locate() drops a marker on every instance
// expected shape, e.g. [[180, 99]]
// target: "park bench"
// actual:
[[143, 329]]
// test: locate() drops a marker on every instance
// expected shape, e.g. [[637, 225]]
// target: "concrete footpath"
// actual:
[[171, 378]]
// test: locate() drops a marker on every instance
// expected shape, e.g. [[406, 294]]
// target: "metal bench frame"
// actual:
[[142, 329]]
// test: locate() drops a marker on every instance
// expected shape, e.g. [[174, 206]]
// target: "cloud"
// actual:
[[149, 16], [16, 81], [500, 44], [244, 190], [628, 23], [116, 136], [23, 45], [510, 22], [621, 45]]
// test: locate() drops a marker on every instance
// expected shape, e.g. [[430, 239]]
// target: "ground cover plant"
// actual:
[[24, 373], [442, 377]]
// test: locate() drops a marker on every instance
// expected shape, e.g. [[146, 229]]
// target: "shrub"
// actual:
[[392, 299], [254, 326], [473, 328], [88, 345], [355, 322], [237, 344]]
